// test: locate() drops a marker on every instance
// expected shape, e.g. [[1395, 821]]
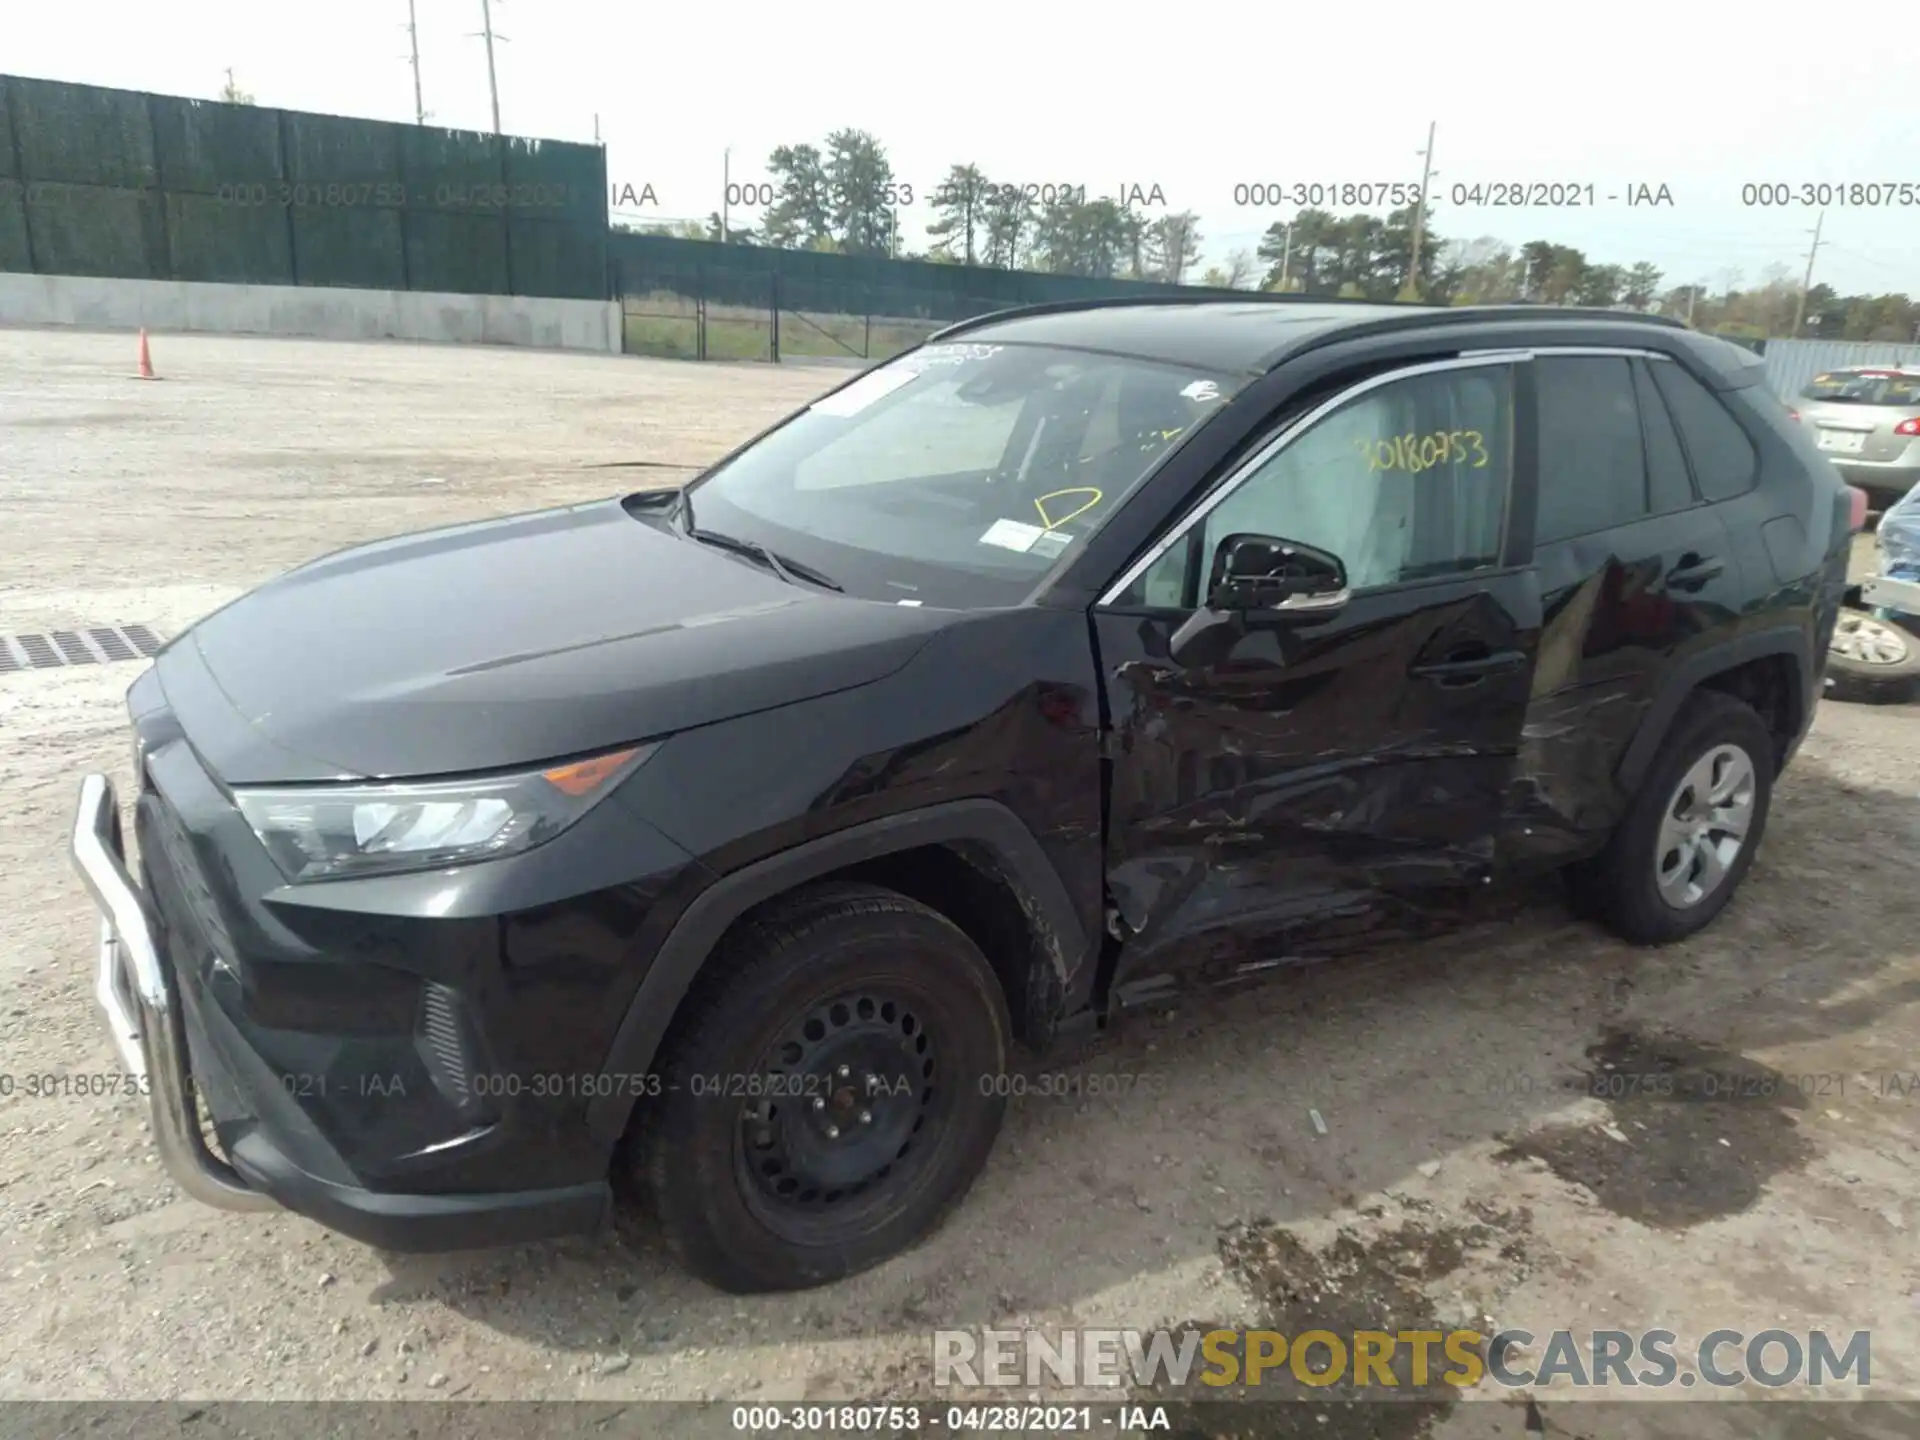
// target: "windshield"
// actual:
[[959, 474], [1865, 387]]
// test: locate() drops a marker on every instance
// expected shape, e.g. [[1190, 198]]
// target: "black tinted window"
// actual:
[[1723, 458], [1592, 472], [1668, 488]]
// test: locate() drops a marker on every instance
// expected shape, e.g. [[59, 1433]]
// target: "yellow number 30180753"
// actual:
[[1415, 453]]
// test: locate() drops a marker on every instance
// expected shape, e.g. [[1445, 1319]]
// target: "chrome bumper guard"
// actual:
[[133, 987]]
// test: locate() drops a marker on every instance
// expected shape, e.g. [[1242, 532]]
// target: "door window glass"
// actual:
[[1668, 488], [1593, 472], [1403, 482]]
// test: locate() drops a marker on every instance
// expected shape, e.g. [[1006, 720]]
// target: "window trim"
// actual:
[[1228, 485]]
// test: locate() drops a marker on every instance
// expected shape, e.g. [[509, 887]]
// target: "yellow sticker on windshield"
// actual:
[[1050, 521]]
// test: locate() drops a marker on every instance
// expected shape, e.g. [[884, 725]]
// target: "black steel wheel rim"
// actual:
[[849, 1109]]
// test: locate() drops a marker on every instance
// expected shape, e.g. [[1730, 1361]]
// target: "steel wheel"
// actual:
[[1705, 826], [851, 1091]]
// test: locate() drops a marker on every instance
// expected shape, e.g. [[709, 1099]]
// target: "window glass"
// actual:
[[1403, 482], [958, 474], [1866, 387], [1668, 487], [1723, 457], [1593, 473]]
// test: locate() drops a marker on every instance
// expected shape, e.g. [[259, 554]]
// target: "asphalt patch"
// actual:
[[1362, 1280], [1704, 1130]]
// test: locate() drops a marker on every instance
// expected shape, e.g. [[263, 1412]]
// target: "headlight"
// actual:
[[326, 832]]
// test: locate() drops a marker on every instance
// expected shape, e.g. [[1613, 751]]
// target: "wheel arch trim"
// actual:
[[691, 941], [1690, 674]]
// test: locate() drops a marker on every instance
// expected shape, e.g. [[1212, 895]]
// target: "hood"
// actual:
[[497, 644]]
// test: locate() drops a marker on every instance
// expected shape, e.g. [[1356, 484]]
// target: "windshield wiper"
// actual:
[[791, 571]]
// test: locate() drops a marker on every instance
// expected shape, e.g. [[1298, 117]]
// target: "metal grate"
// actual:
[[97, 645]]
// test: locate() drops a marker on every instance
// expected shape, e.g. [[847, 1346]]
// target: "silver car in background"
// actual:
[[1867, 422]]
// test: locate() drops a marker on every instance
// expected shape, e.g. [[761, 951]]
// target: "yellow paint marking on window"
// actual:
[[1054, 522]]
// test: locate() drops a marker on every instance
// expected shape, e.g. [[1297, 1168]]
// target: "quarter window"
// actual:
[[1403, 482], [1723, 457]]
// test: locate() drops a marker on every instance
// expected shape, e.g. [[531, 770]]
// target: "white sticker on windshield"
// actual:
[[1201, 391], [864, 391], [1051, 542], [1012, 535]]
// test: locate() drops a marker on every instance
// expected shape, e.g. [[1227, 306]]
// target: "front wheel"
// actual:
[[1690, 832], [828, 1096]]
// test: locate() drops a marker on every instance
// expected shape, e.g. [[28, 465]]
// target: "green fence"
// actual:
[[700, 300], [125, 184]]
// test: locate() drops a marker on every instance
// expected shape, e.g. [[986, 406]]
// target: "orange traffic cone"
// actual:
[[146, 358]]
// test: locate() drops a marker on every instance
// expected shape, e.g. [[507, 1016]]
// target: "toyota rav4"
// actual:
[[732, 838]]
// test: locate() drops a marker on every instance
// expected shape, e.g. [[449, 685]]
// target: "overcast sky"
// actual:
[[1698, 98]]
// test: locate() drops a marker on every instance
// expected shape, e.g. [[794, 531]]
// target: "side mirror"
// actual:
[[1259, 572], [1258, 575]]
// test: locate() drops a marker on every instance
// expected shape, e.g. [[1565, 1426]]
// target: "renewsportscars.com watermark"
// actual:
[[1381, 1359]]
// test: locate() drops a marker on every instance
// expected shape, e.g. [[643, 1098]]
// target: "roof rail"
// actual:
[[1199, 297], [1438, 313]]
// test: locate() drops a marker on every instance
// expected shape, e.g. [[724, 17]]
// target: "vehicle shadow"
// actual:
[[1200, 1117]]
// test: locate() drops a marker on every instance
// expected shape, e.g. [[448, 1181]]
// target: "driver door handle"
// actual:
[[1693, 571], [1468, 665]]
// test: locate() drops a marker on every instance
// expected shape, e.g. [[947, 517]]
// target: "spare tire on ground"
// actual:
[[1872, 661]]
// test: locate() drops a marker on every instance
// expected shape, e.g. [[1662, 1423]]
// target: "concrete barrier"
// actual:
[[324, 312]]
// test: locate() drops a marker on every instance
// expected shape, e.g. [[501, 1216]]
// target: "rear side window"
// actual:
[[1723, 458], [1668, 488], [1593, 473]]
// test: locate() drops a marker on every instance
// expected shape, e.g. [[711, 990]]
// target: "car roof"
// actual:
[[1248, 336]]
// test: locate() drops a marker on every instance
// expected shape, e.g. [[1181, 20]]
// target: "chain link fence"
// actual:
[[698, 315]]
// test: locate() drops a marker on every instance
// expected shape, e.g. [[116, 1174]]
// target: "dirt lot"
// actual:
[[1467, 1174]]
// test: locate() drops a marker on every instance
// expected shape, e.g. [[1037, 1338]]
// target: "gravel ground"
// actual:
[[1467, 1172]]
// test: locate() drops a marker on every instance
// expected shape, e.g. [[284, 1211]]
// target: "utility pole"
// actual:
[[413, 38], [1526, 277], [1806, 283], [1420, 208], [726, 191], [1693, 292], [493, 80], [1286, 254]]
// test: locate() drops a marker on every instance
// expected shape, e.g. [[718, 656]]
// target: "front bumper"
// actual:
[[136, 987]]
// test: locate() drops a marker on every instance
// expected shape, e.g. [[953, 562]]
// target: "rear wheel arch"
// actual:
[[926, 855], [1772, 670]]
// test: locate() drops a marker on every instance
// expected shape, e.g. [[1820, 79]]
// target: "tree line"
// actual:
[[843, 196]]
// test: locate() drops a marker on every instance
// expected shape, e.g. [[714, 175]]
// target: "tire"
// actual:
[[746, 1184], [1879, 664], [1621, 886]]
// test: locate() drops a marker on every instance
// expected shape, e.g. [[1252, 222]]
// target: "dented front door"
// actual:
[[1310, 792], [1317, 788]]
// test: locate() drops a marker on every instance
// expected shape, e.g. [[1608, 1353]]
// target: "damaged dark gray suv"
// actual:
[[731, 838]]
